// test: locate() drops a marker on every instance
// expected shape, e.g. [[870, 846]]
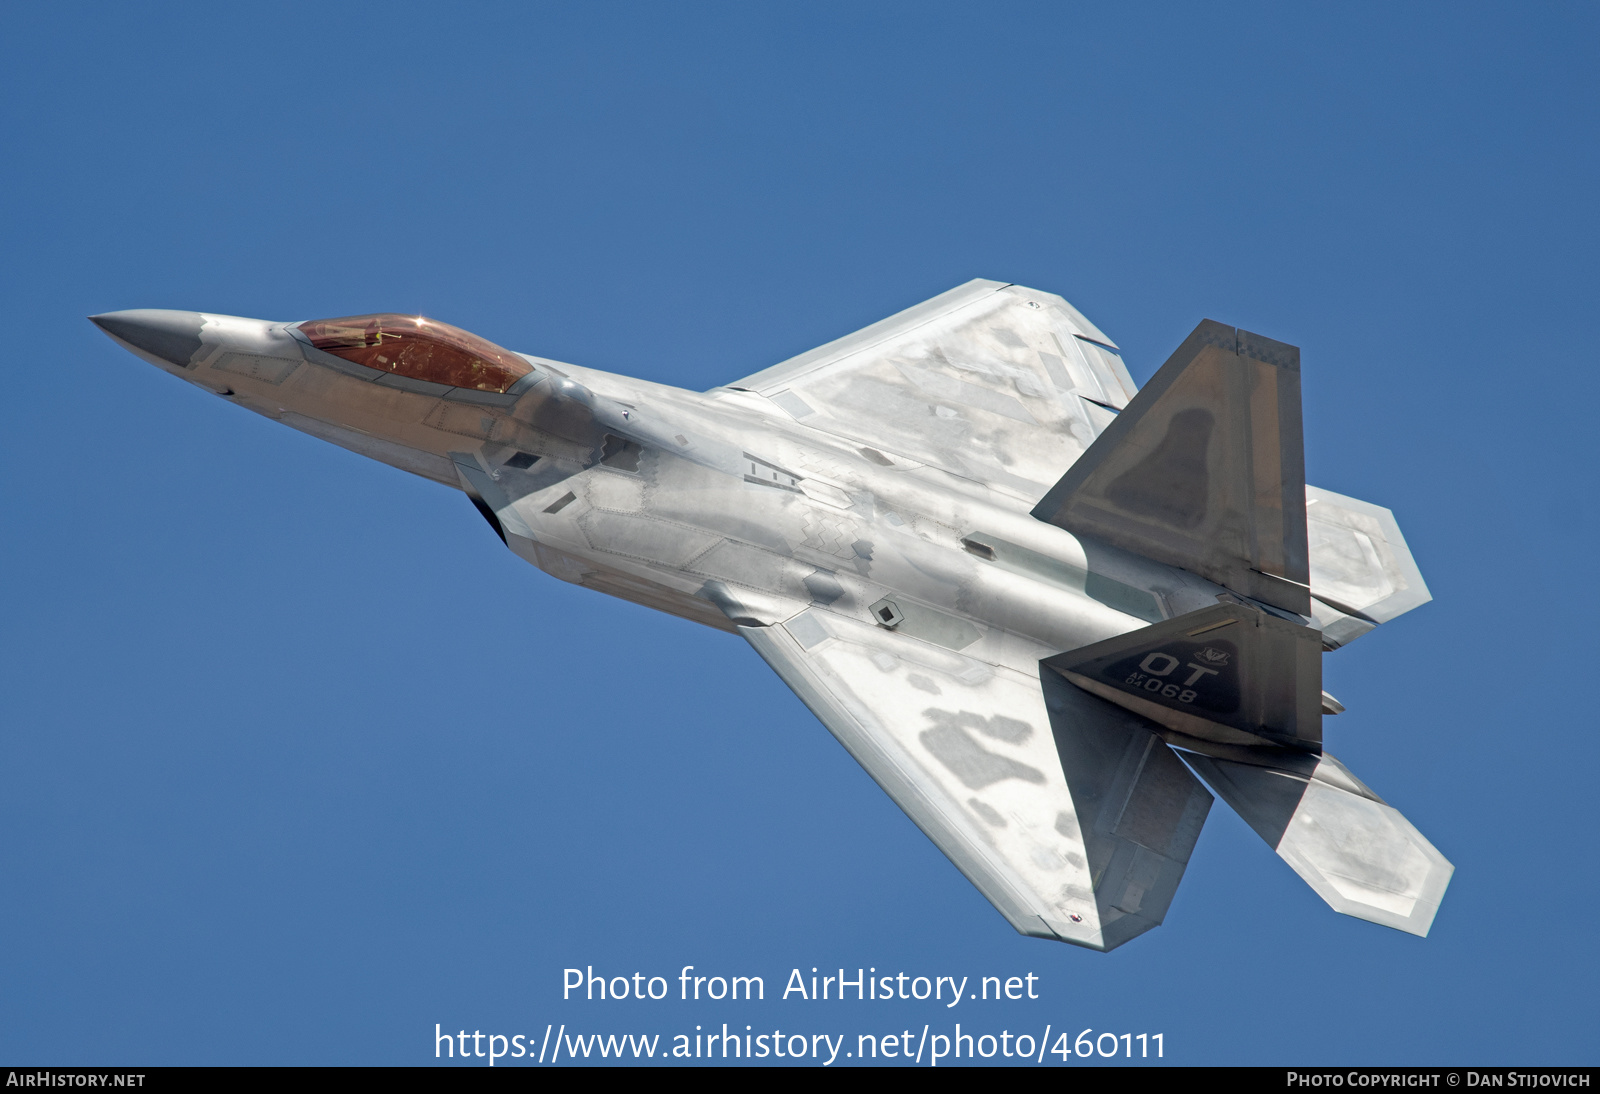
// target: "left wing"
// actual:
[[1074, 820], [993, 382]]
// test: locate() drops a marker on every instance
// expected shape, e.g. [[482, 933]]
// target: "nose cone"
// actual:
[[171, 336]]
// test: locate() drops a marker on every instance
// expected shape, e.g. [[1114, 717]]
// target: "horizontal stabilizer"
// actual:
[[1354, 849], [1204, 470], [1228, 674], [1362, 572]]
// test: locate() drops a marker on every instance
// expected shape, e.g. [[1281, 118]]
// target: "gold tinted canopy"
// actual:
[[418, 348]]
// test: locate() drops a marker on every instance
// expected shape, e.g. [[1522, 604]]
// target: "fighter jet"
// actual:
[[1038, 604]]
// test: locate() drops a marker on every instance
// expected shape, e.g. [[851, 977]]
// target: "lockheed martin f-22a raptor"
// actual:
[[1043, 608]]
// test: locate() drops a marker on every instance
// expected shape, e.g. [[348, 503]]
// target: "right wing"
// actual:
[[1072, 818]]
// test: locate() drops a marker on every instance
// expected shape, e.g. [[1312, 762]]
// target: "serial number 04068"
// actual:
[[1160, 687]]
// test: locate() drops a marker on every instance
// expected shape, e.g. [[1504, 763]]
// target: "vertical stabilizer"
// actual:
[[1137, 811], [1204, 470], [1229, 674]]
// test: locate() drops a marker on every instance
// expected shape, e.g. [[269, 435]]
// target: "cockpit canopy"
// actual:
[[418, 348]]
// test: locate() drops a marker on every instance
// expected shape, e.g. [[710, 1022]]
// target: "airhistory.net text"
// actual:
[[866, 984]]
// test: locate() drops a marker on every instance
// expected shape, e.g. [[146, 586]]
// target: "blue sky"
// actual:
[[300, 761]]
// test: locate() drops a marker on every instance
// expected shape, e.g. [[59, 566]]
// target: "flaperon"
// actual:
[[1033, 602]]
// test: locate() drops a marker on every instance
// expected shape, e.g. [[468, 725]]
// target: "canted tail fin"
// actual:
[[1204, 470], [1229, 674]]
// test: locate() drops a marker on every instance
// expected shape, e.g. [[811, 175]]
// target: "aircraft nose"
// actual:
[[172, 336]]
